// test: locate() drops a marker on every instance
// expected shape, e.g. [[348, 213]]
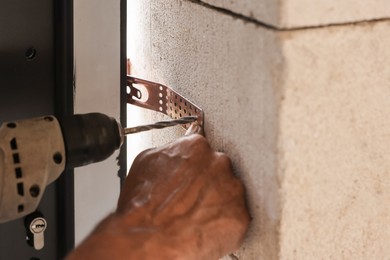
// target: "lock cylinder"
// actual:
[[36, 225]]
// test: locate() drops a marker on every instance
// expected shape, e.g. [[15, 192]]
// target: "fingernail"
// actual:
[[195, 128]]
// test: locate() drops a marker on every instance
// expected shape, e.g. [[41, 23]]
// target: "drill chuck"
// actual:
[[89, 138]]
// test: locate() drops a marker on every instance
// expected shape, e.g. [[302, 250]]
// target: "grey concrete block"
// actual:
[[231, 69], [303, 114]]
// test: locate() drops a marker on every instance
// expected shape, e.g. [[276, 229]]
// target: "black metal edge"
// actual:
[[64, 82], [122, 158]]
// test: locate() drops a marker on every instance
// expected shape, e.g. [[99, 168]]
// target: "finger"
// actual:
[[190, 148], [195, 128]]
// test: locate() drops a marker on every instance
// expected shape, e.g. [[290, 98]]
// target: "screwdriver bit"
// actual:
[[160, 125]]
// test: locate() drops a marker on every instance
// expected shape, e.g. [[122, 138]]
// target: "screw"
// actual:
[[30, 53]]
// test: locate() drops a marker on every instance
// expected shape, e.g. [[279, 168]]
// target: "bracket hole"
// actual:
[[141, 93]]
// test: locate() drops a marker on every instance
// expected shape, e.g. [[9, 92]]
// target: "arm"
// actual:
[[179, 201]]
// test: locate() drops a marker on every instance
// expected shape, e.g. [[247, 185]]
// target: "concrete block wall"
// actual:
[[333, 154], [288, 14], [300, 106], [208, 57]]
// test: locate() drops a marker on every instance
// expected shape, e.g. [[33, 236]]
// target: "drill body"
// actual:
[[34, 152]]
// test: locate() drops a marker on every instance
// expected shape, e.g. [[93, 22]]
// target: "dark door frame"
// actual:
[[123, 85], [64, 85]]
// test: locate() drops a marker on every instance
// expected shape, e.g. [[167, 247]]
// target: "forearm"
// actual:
[[179, 201], [114, 238]]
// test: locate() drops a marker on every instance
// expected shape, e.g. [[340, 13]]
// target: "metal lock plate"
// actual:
[[160, 98]]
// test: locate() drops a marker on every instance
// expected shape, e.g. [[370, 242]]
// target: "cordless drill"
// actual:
[[34, 152]]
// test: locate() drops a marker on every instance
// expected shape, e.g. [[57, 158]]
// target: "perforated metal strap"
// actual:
[[163, 99]]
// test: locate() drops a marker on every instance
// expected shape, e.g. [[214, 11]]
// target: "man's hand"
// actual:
[[179, 201]]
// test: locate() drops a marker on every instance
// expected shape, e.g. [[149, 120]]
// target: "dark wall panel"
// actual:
[[31, 66]]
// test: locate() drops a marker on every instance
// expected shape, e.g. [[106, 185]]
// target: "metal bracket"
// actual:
[[163, 99]]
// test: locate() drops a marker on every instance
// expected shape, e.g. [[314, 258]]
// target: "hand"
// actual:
[[179, 201]]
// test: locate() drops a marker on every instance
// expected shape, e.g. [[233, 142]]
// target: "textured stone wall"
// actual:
[[334, 157], [290, 14], [230, 69], [296, 93]]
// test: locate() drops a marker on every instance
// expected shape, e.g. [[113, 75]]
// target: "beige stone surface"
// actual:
[[266, 11], [303, 115], [306, 13], [334, 153], [302, 13], [229, 68]]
